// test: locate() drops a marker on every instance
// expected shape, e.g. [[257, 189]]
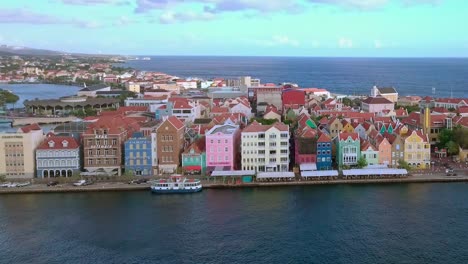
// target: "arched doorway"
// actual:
[[45, 174], [64, 173], [57, 173], [69, 173]]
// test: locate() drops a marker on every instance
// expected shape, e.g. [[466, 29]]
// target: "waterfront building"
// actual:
[[169, 144], [389, 93], [222, 147], [194, 157], [138, 155], [417, 150], [305, 150], [91, 91], [103, 144], [369, 152], [57, 156], [265, 148], [398, 147], [324, 152], [383, 146], [69, 104], [17, 152], [377, 104], [348, 149]]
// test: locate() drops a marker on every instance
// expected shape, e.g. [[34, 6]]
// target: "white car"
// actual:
[[80, 183]]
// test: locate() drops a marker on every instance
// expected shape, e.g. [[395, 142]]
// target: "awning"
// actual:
[[192, 168]]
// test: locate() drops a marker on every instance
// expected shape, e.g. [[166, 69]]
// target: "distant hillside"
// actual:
[[14, 50]]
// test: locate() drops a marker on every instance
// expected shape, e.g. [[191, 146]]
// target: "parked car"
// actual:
[[88, 182], [450, 172], [23, 184], [52, 183]]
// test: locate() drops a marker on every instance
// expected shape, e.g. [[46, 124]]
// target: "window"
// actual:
[[226, 158], [226, 149]]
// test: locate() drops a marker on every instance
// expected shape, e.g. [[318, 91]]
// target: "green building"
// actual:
[[348, 149], [194, 157]]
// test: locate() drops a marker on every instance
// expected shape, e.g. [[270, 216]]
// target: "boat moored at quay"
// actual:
[[176, 184]]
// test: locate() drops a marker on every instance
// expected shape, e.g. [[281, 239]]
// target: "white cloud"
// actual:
[[278, 40], [170, 17], [345, 43]]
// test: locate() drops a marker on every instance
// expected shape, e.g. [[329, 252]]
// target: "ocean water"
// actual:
[[411, 76], [398, 223], [39, 91]]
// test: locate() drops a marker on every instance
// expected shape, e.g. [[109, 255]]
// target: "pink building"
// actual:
[[377, 105], [222, 147]]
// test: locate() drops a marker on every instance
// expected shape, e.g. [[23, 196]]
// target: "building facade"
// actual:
[[194, 157], [17, 152], [57, 157], [417, 150], [222, 147], [348, 149], [324, 152], [138, 160], [265, 148], [169, 144], [103, 144]]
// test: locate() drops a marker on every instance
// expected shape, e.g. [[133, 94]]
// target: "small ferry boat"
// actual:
[[176, 184]]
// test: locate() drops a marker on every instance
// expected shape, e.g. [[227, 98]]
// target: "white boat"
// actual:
[[80, 183], [176, 184], [146, 58]]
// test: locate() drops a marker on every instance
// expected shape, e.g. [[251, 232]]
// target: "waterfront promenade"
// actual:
[[123, 186]]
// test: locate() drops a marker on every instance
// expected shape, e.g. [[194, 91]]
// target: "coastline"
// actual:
[[120, 186]]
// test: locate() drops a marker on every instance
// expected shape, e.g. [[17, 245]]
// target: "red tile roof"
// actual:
[[29, 128], [377, 100], [257, 127], [324, 138], [344, 136], [175, 122], [58, 143]]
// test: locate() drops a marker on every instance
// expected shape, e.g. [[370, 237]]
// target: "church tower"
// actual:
[[374, 91], [425, 120]]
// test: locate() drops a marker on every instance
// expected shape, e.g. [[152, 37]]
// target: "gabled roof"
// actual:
[[377, 100], [175, 122], [345, 135], [324, 138], [198, 146], [257, 127], [366, 145]]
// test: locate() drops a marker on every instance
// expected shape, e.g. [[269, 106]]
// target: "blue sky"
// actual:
[[374, 28]]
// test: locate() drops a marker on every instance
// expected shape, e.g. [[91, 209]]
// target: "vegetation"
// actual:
[[403, 165], [409, 108], [84, 113], [8, 97], [361, 163], [2, 177], [452, 139]]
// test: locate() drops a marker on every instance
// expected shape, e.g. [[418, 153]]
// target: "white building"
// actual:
[[57, 157], [265, 148]]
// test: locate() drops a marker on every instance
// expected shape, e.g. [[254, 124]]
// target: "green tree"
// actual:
[[460, 136], [403, 165], [346, 101], [452, 148], [361, 163], [444, 137], [8, 97]]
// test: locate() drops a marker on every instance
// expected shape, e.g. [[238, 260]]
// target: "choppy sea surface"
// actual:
[[411, 76], [398, 223]]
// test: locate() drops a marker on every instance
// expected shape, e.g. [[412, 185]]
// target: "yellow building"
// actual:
[[417, 150], [133, 87], [347, 127], [17, 152]]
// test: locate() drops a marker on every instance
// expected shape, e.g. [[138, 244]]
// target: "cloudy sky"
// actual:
[[382, 28]]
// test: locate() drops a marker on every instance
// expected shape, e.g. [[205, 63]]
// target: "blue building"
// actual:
[[324, 152], [138, 155], [163, 111]]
